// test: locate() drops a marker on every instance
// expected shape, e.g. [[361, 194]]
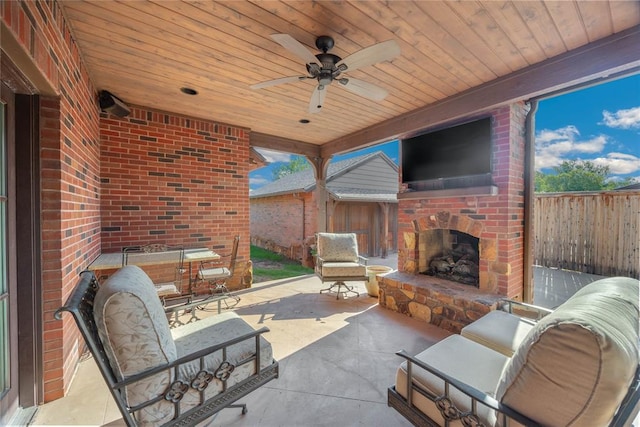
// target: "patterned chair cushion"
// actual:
[[337, 247], [134, 330], [343, 269]]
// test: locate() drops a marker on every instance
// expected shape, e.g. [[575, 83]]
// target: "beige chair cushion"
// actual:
[[337, 247], [343, 269], [499, 330], [133, 328], [575, 366], [460, 358]]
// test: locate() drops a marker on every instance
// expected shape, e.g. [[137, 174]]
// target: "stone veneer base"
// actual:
[[446, 304]]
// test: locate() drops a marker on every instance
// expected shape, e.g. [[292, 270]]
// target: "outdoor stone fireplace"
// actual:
[[449, 254], [483, 225]]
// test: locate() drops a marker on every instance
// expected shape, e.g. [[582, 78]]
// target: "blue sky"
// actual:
[[600, 124]]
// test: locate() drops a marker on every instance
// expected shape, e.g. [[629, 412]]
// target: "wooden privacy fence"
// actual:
[[597, 233]]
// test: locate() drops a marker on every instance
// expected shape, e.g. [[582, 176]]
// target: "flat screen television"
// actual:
[[454, 155]]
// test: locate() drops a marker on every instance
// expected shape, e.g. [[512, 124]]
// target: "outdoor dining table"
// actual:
[[113, 260]]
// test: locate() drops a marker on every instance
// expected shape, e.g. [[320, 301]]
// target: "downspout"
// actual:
[[529, 200], [304, 219]]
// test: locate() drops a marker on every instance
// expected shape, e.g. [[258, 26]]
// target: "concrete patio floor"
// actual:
[[337, 357]]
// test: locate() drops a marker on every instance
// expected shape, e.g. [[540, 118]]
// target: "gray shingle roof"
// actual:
[[304, 181]]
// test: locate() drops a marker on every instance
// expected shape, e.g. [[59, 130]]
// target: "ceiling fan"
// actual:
[[326, 67]]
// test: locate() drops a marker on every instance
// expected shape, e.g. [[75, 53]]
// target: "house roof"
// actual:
[[256, 160], [635, 186], [304, 181], [456, 58]]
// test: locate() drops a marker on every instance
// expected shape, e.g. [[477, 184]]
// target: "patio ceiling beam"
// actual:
[[614, 55], [276, 143]]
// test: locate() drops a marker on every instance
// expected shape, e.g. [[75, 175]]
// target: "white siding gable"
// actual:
[[376, 174]]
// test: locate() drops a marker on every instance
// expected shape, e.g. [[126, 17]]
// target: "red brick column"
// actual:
[[497, 220]]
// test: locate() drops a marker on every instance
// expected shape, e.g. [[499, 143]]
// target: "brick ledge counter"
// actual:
[[446, 304]]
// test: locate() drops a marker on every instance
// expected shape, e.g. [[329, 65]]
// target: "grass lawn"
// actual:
[[270, 266]]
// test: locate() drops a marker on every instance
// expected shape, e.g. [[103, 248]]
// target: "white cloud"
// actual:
[[623, 119], [619, 163], [554, 146], [258, 181], [274, 156]]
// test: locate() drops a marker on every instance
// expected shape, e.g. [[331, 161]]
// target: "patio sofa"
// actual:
[[577, 365], [160, 376]]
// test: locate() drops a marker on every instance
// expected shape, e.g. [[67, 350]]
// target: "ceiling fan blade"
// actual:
[[295, 47], [371, 55], [365, 89], [279, 81], [317, 99]]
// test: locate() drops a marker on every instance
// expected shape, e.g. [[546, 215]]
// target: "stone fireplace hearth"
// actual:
[[431, 221]]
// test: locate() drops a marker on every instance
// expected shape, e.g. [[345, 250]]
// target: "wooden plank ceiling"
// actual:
[[145, 51]]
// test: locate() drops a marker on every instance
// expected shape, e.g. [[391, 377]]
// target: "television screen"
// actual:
[[459, 151]]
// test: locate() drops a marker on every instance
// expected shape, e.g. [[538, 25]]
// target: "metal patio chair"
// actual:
[[217, 273]]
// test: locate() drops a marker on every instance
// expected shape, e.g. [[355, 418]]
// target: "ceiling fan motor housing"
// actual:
[[324, 43]]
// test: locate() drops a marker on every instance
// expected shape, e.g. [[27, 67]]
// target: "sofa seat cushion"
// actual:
[[575, 366], [499, 330], [460, 358], [338, 247], [343, 269]]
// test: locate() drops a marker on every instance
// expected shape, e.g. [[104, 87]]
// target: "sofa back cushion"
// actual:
[[134, 331], [338, 247], [576, 365]]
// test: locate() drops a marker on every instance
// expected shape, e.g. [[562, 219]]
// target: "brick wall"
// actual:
[[177, 180], [498, 220], [201, 192], [282, 220], [69, 176]]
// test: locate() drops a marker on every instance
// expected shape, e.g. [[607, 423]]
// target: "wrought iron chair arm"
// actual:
[[539, 311], [473, 393]]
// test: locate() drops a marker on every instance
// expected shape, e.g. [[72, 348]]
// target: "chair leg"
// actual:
[[340, 285], [220, 288], [240, 405]]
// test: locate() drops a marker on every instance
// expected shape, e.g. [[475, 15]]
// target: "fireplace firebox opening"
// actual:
[[451, 255]]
